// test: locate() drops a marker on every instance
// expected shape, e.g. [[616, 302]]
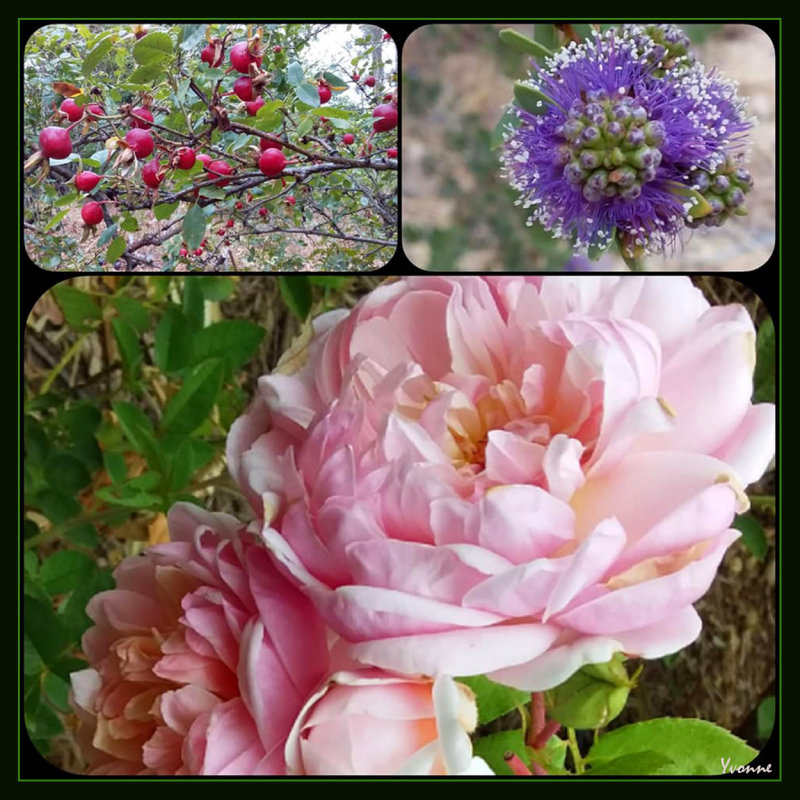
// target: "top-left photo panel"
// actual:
[[210, 147]]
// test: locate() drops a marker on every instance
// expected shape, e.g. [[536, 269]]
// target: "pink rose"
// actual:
[[509, 475], [201, 658], [372, 723]]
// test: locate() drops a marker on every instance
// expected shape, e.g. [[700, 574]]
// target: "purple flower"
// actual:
[[626, 122]]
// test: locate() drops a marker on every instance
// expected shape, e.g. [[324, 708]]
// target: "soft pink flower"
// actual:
[[509, 475], [373, 723], [201, 658]]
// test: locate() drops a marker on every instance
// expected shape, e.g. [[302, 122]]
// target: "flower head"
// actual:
[[614, 146]]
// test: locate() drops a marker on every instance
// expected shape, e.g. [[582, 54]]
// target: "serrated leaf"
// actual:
[[332, 113], [133, 312], [165, 210], [194, 227], [190, 455], [57, 691], [233, 340], [136, 426], [307, 93], [523, 44], [493, 699], [305, 126], [647, 762], [66, 473], [695, 746], [107, 235], [83, 536], [190, 407], [296, 293], [44, 628], [173, 341], [531, 99], [130, 349], [509, 118], [294, 73], [77, 306], [155, 46], [66, 199], [493, 748], [96, 55], [212, 192], [115, 249], [141, 76], [115, 466], [65, 570], [753, 536], [56, 219], [334, 81], [129, 224]]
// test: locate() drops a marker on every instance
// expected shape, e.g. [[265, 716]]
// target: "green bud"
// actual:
[[617, 157]]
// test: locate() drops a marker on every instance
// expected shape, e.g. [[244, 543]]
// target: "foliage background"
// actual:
[[345, 215], [459, 214], [131, 384]]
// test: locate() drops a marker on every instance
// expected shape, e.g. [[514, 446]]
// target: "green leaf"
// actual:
[[56, 505], [753, 536], [329, 281], [107, 235], [493, 748], [56, 219], [81, 421], [269, 116], [547, 35], [31, 661], [115, 466], [233, 340], [136, 426], [531, 99], [509, 119], [194, 227], [66, 473], [193, 303], [65, 570], [133, 312], [115, 249], [523, 44], [45, 723], [765, 718], [334, 80], [305, 126], [44, 628], [165, 210], [696, 205], [66, 199], [296, 293], [173, 341], [294, 73], [57, 691], [73, 612], [143, 75], [217, 288], [130, 349], [190, 407], [129, 224], [190, 455], [764, 375], [212, 193], [307, 93], [332, 113], [493, 699], [646, 762], [155, 47], [96, 55], [77, 306], [83, 536], [695, 746]]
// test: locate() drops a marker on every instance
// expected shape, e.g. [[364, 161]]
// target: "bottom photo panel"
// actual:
[[356, 526]]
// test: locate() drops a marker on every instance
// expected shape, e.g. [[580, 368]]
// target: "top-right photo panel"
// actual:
[[584, 148]]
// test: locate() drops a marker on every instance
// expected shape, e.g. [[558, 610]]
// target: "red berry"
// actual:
[[229, 223], [348, 138], [243, 88], [252, 108], [262, 212], [272, 163], [369, 80], [392, 152], [86, 180], [184, 252], [220, 168], [141, 142], [204, 159], [141, 111], [93, 109], [240, 205], [386, 117], [55, 142], [73, 111], [199, 251], [324, 94], [267, 144], [186, 158], [207, 55], [153, 173], [356, 77], [203, 243], [290, 200], [92, 213], [387, 37], [277, 48], [242, 58], [221, 232]]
